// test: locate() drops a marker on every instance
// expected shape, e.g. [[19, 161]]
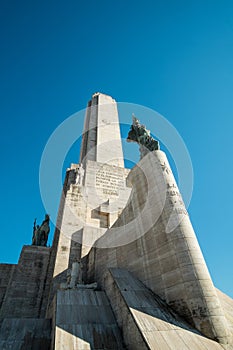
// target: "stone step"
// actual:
[[84, 320]]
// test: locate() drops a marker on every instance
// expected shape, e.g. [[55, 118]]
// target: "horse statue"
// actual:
[[41, 233]]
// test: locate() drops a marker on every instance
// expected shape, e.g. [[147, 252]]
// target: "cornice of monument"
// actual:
[[102, 94]]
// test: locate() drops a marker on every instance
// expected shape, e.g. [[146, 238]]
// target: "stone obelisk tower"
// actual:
[[93, 200]]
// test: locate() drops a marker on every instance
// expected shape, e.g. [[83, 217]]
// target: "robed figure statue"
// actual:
[[41, 233]]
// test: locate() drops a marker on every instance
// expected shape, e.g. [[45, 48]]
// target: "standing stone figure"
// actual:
[[80, 175], [76, 274], [44, 231], [41, 233], [35, 237]]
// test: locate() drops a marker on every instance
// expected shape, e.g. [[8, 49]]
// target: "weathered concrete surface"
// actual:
[[25, 334], [6, 271], [147, 322], [155, 241], [227, 305], [25, 290], [83, 319]]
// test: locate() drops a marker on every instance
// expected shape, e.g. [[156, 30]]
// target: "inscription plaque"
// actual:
[[109, 181]]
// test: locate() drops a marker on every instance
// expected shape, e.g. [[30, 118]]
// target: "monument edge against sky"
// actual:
[[125, 270]]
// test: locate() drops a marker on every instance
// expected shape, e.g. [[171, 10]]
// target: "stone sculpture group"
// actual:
[[138, 133]]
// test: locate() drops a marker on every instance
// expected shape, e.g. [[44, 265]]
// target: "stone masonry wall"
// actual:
[[25, 291], [5, 276]]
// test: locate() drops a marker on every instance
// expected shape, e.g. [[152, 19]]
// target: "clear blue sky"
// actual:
[[175, 57]]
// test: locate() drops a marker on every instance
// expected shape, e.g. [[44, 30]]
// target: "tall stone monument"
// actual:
[[125, 270]]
